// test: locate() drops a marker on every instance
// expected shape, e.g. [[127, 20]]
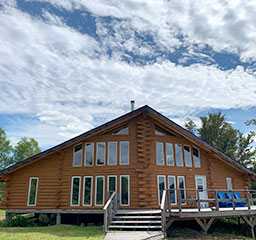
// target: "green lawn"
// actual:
[[56, 232]]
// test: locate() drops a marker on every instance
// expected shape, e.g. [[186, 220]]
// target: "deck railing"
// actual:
[[190, 198], [109, 209]]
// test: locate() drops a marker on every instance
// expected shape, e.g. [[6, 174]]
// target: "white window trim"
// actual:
[[230, 182], [75, 205], [87, 205], [128, 153], [182, 157], [96, 191], [29, 187], [198, 156], [109, 176], [109, 151], [97, 154], [160, 164], [190, 151], [175, 190], [92, 154], [172, 154], [74, 155], [184, 187], [121, 190], [158, 176]]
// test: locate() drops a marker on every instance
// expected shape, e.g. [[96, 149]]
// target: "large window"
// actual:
[[229, 184], [187, 152], [78, 153], [88, 185], [169, 154], [32, 194], [181, 185], [179, 156], [101, 150], [112, 185], [75, 191], [196, 157], [124, 153], [112, 153], [172, 186], [89, 154], [161, 182], [124, 190], [160, 153], [99, 191]]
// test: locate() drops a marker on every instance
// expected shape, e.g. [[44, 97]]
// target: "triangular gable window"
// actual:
[[161, 132], [120, 131]]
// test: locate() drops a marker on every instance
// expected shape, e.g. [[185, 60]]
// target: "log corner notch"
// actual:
[[251, 221], [205, 224]]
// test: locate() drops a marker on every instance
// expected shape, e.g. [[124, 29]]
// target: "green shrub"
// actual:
[[17, 221]]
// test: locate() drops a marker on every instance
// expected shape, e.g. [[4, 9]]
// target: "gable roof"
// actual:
[[143, 110]]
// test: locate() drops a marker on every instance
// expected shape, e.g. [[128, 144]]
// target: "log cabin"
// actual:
[[125, 165]]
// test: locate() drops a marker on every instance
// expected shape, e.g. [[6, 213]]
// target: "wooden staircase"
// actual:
[[136, 220]]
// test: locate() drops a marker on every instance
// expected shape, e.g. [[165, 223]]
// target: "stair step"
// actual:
[[138, 212], [137, 217], [136, 222], [133, 226]]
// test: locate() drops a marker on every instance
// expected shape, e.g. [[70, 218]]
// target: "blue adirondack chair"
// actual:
[[222, 195], [238, 196], [237, 203]]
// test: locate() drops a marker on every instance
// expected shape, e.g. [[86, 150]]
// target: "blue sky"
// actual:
[[68, 66]]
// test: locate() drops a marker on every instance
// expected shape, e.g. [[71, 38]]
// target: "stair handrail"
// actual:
[[110, 208], [163, 207]]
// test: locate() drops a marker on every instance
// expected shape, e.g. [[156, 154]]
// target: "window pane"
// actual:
[[112, 184], [229, 184], [99, 190], [172, 185], [124, 190], [181, 183], [101, 153], [124, 153], [160, 153], [78, 151], [87, 191], [179, 158], [196, 157], [33, 191], [89, 154], [124, 130], [75, 191], [169, 154], [188, 160], [112, 153], [161, 187]]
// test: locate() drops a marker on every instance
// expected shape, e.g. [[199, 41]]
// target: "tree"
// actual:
[[5, 150], [25, 148], [190, 125]]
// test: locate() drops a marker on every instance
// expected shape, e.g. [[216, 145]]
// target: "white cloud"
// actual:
[[68, 82]]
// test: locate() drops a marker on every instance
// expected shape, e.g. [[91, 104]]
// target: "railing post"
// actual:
[[179, 199], [216, 200], [163, 211], [198, 200], [233, 202], [248, 199]]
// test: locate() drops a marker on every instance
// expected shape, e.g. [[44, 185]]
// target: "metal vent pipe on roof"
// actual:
[[132, 105]]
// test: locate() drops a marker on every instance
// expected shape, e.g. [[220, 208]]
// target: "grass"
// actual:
[[56, 232]]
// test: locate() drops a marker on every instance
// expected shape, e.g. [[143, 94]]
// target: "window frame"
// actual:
[[29, 191], [182, 157], [96, 187], [115, 154], [190, 151], [74, 155], [79, 194], [184, 187], [91, 177], [128, 204], [160, 164], [120, 150], [92, 154], [229, 178], [167, 143], [175, 188], [97, 154], [158, 189], [198, 157]]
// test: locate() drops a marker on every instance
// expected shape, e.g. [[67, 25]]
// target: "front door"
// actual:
[[201, 186]]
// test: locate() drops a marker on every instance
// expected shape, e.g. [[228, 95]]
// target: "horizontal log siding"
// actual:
[[56, 170]]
